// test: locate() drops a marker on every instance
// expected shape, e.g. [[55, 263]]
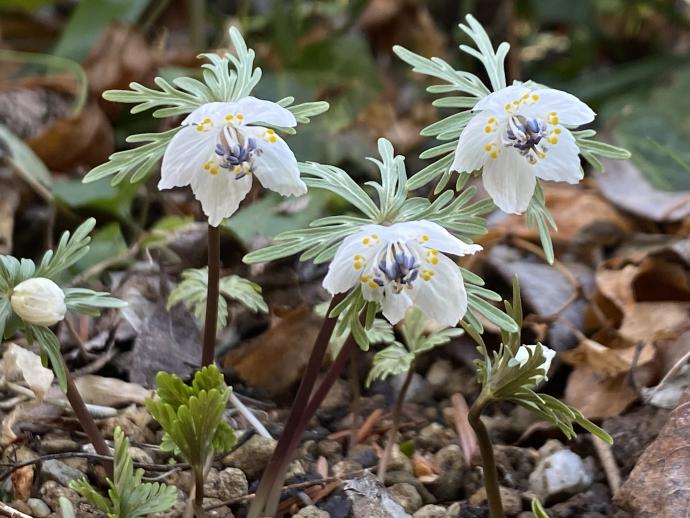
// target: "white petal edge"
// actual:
[[185, 156], [443, 297], [395, 305], [432, 235], [497, 100], [275, 164], [470, 153], [510, 181], [220, 195], [342, 275], [259, 110], [562, 161], [570, 110]]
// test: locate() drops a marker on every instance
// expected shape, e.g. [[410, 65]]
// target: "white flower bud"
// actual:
[[522, 356], [39, 301]]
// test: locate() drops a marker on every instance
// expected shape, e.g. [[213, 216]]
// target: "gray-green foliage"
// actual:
[[192, 415], [398, 358], [502, 378], [225, 78], [192, 292], [467, 90], [389, 204], [128, 496], [53, 265]]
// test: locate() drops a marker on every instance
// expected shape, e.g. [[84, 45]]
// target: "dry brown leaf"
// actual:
[[659, 484], [424, 468], [22, 479], [648, 321], [596, 395], [603, 360], [274, 361]]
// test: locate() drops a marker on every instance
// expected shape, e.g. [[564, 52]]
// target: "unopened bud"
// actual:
[[39, 301]]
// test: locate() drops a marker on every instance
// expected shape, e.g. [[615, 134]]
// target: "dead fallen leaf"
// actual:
[[603, 360], [274, 360], [599, 396], [22, 479], [20, 363], [624, 186], [659, 484], [99, 390]]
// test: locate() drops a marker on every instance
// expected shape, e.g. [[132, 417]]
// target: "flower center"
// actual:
[[236, 152], [527, 135], [397, 265]]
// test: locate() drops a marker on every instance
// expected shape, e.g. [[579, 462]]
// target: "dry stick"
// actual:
[[268, 479], [392, 437], [332, 374], [608, 462], [10, 512], [208, 353], [493, 491]]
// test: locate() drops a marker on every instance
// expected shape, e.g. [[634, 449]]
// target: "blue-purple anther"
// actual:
[[397, 265], [525, 134], [234, 154]]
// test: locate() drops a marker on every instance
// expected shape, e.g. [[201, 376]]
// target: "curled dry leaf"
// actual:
[[112, 392], [274, 360], [20, 363], [659, 484]]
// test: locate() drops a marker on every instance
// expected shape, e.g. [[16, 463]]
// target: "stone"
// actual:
[[338, 397], [419, 391], [219, 512], [252, 456], [511, 498], [450, 458], [345, 468], [449, 485], [559, 474], [465, 510], [398, 461], [331, 450], [311, 511], [39, 509], [397, 477], [430, 511], [407, 496], [59, 472], [434, 436], [51, 492], [57, 443], [364, 454], [438, 376], [226, 484]]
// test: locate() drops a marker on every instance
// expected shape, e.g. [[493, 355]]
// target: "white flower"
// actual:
[[221, 146], [38, 301], [522, 356], [402, 265], [519, 135]]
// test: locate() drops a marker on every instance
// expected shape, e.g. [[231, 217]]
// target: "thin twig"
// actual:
[[161, 468], [11, 512], [392, 437], [249, 416], [608, 462], [670, 374]]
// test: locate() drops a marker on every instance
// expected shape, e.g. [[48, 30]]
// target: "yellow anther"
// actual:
[[229, 117], [553, 140], [270, 131], [214, 171], [424, 237], [525, 96], [358, 265], [516, 102], [372, 284], [541, 155], [365, 241], [494, 154], [508, 107], [491, 120], [364, 278], [488, 147], [487, 129], [240, 116], [557, 131], [535, 97], [374, 236], [200, 127], [272, 139], [207, 165]]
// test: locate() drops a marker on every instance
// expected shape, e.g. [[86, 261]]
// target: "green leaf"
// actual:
[[107, 242], [192, 416], [24, 160], [70, 249], [51, 348], [192, 292], [537, 509], [391, 361], [89, 302], [539, 216]]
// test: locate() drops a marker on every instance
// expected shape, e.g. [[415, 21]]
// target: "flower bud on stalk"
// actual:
[[39, 301]]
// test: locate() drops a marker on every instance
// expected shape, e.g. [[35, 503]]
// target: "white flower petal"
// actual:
[[496, 101], [216, 111], [472, 151], [432, 235], [562, 161], [258, 110], [569, 109], [354, 258], [186, 155], [220, 194], [510, 181], [439, 292], [395, 305], [275, 166]]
